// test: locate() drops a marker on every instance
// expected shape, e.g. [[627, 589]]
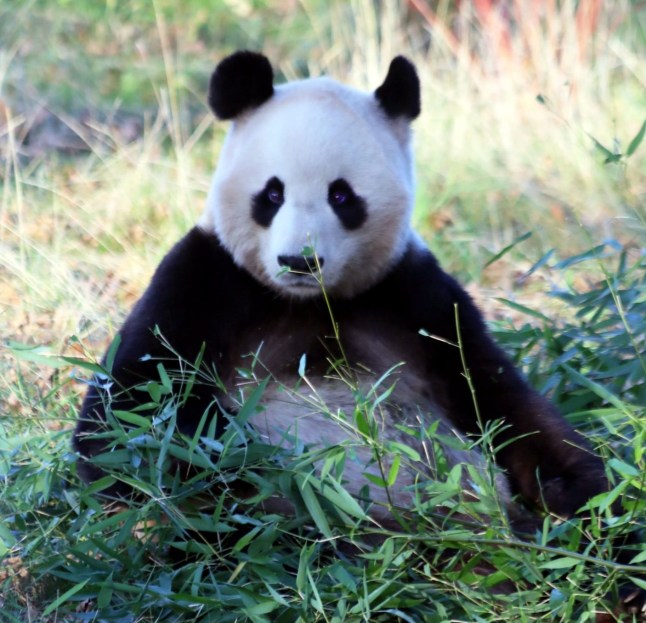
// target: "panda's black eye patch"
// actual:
[[347, 205], [266, 203]]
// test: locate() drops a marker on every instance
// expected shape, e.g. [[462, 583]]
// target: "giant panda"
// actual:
[[305, 264]]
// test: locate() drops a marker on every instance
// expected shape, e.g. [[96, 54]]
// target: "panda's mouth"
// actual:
[[299, 283]]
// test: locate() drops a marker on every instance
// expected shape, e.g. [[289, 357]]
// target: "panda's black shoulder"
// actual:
[[425, 296], [196, 290], [198, 269], [416, 272], [192, 259]]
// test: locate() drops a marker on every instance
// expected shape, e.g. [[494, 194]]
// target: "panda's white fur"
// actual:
[[332, 131]]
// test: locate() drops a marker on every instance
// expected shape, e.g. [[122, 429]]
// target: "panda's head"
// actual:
[[313, 175]]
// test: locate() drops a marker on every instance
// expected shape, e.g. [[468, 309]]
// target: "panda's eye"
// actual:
[[347, 205], [275, 195], [338, 197], [267, 202]]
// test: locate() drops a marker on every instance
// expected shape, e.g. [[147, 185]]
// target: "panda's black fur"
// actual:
[[417, 293], [244, 80], [200, 297], [399, 94]]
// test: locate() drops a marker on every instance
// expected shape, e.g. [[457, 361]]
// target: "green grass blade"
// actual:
[[636, 142], [507, 249], [64, 597]]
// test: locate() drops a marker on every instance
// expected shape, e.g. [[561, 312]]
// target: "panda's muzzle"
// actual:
[[301, 264]]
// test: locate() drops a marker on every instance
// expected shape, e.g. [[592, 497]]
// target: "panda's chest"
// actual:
[[317, 368], [287, 341], [357, 392]]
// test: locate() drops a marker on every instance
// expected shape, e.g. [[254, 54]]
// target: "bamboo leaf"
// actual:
[[263, 607], [596, 388], [402, 448], [638, 582], [638, 138], [313, 506], [610, 156], [361, 421], [565, 562], [394, 470], [251, 404], [592, 254], [43, 355], [105, 594], [525, 310], [112, 352], [341, 498], [132, 418], [380, 482], [622, 468], [64, 597], [508, 248], [164, 378]]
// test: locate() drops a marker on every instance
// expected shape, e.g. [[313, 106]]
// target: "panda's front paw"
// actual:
[[632, 600], [631, 607], [565, 497]]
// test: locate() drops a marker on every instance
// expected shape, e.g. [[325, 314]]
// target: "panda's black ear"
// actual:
[[399, 95], [241, 81]]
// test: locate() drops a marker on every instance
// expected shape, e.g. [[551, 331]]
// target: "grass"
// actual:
[[530, 124]]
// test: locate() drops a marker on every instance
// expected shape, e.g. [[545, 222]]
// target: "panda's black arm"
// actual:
[[548, 462], [196, 299]]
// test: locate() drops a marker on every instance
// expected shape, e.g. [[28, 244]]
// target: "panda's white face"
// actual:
[[319, 167]]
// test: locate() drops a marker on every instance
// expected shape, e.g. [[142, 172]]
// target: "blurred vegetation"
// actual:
[[515, 96]]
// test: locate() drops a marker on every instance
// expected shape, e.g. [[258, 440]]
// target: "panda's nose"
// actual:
[[301, 264]]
